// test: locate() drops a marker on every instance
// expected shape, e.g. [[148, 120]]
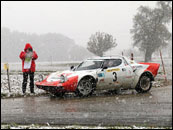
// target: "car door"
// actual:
[[101, 79], [118, 74], [112, 76], [128, 73]]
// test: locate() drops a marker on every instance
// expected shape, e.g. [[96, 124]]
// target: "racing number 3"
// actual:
[[114, 76]]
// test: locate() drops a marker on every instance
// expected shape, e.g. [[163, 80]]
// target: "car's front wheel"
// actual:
[[85, 87], [144, 84]]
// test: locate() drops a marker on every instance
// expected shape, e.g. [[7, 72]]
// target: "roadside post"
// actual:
[[6, 67], [163, 66]]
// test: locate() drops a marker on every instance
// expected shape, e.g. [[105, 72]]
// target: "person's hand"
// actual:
[[29, 54], [32, 55]]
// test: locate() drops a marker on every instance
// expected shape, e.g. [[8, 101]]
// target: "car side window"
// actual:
[[112, 63]]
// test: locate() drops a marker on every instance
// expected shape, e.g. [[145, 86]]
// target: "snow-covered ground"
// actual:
[[16, 86], [76, 127], [46, 68]]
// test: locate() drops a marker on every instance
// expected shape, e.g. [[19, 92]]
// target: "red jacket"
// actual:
[[34, 57]]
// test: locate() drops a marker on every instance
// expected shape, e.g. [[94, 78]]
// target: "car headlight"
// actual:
[[40, 78], [63, 79]]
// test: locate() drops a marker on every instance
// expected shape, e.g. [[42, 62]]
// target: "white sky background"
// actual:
[[77, 20]]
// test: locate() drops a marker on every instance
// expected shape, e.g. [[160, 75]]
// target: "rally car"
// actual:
[[110, 72]]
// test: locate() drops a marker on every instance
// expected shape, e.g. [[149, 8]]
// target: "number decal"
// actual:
[[114, 76]]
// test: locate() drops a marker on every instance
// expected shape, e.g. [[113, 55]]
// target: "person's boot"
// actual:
[[24, 94], [24, 89], [32, 89]]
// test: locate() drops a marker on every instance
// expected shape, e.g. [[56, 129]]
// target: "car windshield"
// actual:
[[90, 65]]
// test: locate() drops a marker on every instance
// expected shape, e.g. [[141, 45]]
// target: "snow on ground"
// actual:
[[46, 68], [16, 86], [76, 127]]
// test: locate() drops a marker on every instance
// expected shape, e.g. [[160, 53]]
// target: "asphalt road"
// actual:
[[149, 109]]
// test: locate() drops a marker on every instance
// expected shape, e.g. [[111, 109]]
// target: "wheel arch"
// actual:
[[148, 73], [93, 85], [88, 76], [139, 74]]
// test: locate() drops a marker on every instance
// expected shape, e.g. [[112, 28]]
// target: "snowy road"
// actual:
[[150, 109]]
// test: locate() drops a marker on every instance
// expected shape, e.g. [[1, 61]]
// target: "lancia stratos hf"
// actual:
[[110, 72]]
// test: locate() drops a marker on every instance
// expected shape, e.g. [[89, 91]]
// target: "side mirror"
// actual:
[[134, 69], [72, 67], [104, 68]]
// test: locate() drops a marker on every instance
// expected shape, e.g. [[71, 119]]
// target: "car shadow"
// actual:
[[103, 93]]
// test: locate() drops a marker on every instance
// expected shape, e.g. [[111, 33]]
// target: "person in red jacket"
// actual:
[[28, 57]]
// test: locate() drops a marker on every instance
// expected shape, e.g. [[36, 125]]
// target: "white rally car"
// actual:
[[113, 72]]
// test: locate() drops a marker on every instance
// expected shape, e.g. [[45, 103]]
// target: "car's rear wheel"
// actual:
[[85, 87], [144, 84]]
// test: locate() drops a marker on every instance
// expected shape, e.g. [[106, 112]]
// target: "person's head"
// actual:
[[28, 47]]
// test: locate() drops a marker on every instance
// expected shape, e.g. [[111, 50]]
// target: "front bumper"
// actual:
[[51, 89]]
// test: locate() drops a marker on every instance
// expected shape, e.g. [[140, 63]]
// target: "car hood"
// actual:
[[68, 73]]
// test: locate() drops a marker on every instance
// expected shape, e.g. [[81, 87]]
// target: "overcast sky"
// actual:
[[77, 20]]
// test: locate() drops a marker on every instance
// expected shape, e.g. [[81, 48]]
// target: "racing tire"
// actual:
[[144, 84], [85, 87]]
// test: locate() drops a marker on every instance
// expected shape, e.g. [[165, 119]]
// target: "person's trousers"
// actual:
[[25, 79]]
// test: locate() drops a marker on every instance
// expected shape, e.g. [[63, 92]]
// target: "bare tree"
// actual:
[[149, 30], [101, 42]]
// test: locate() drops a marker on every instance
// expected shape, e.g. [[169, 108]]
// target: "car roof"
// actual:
[[105, 57]]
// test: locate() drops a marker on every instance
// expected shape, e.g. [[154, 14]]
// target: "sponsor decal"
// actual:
[[101, 75], [131, 62], [117, 69], [128, 76], [102, 80], [114, 76]]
